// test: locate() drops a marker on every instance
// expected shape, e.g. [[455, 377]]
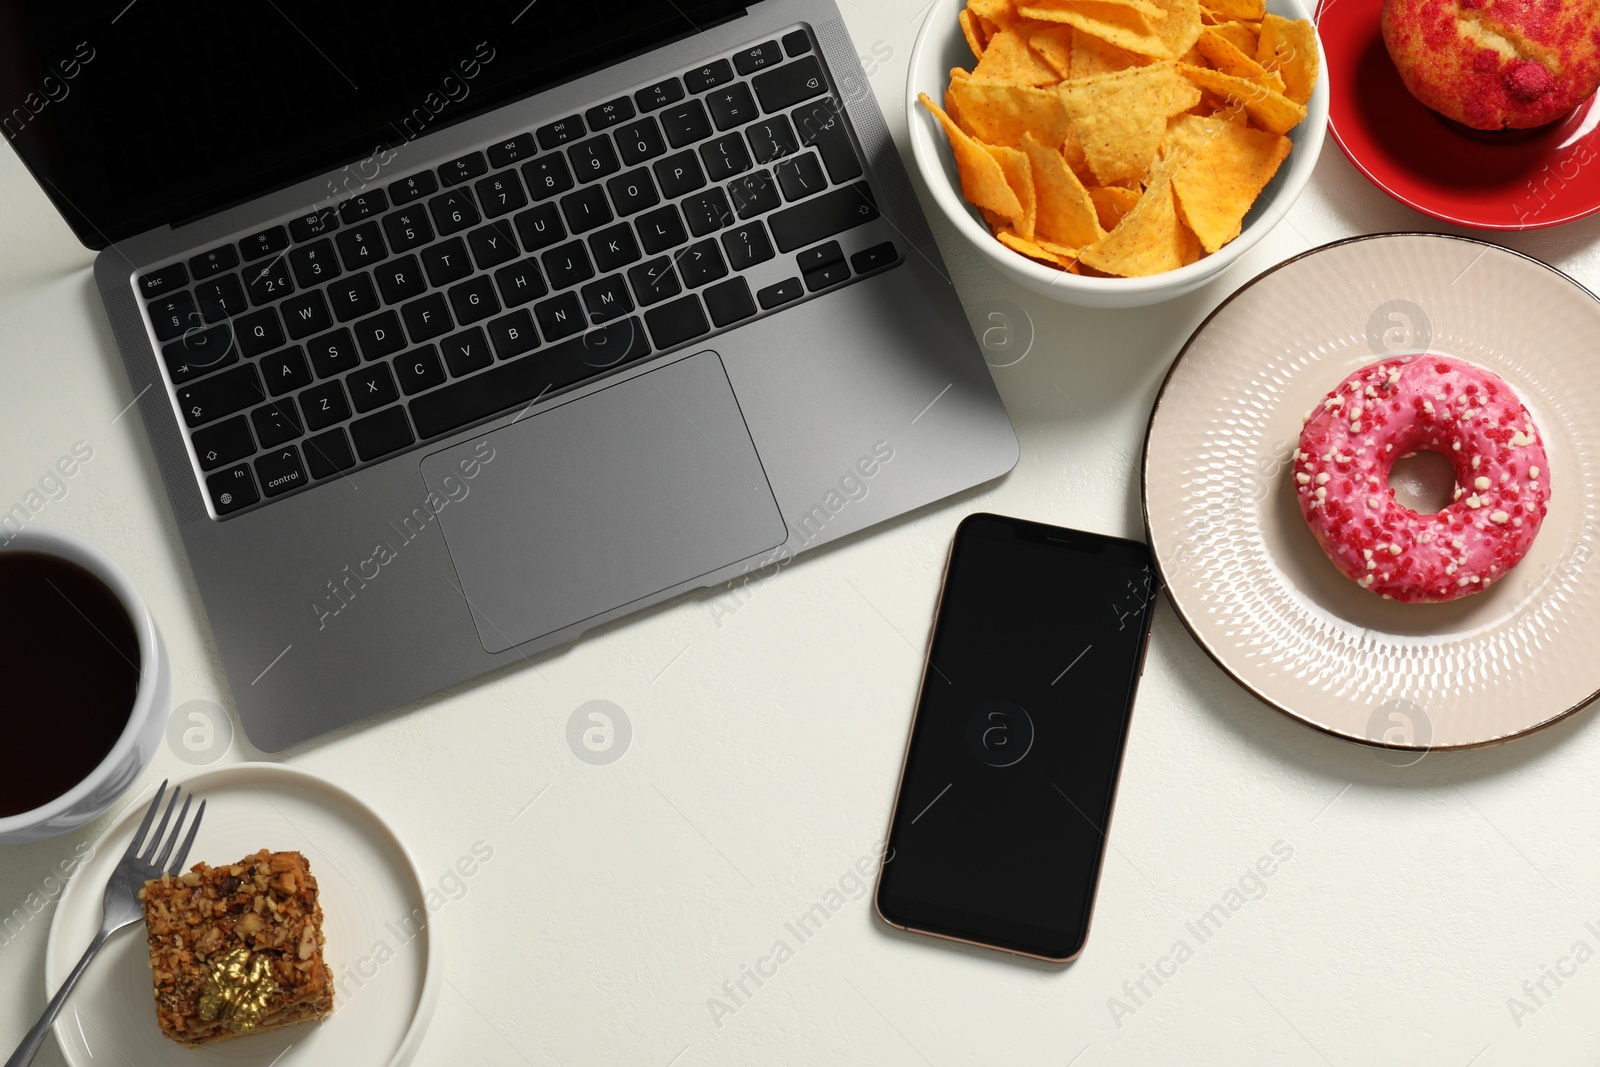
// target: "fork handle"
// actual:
[[30, 1044]]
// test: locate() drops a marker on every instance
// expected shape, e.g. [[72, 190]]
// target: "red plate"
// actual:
[[1517, 180]]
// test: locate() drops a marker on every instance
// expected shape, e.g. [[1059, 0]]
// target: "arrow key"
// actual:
[[219, 445]]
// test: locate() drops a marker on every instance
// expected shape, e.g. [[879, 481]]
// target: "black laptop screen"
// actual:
[[134, 114]]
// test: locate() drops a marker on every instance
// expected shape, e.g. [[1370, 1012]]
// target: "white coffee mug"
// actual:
[[142, 734]]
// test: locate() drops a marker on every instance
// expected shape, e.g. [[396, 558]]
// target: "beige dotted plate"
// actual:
[[1241, 566]]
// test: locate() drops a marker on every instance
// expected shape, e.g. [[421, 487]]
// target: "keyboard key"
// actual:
[[226, 442], [870, 259], [732, 106], [380, 434], [474, 300], [607, 299], [212, 263], [513, 335], [772, 139], [285, 371], [604, 116], [400, 280], [594, 158], [700, 263], [820, 256], [353, 297], [560, 132], [419, 370], [453, 211], [380, 335], [470, 166], [709, 76], [633, 191], [781, 293], [754, 194], [466, 351], [674, 323], [540, 227], [407, 229], [220, 395], [800, 177], [823, 277], [407, 190], [221, 298], [314, 224], [268, 242], [567, 265], [614, 248], [679, 174], [821, 125], [790, 84], [372, 387], [362, 246], [363, 206], [427, 318], [725, 157], [172, 315], [276, 423], [546, 176], [833, 212], [559, 317], [492, 245], [661, 229], [323, 405], [306, 314], [758, 57], [685, 123], [268, 283], [659, 95], [501, 194], [259, 331], [446, 262], [520, 283], [315, 263], [512, 150], [639, 141], [707, 212], [654, 281], [747, 245], [586, 209], [157, 282], [797, 43], [328, 453], [232, 489], [280, 471], [199, 352], [333, 353], [729, 301], [515, 383]]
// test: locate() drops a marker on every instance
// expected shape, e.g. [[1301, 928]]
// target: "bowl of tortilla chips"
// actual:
[[1116, 153]]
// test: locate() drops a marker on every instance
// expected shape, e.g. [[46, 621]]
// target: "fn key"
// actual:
[[232, 489]]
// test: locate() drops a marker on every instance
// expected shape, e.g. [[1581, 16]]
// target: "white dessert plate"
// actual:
[[1240, 564], [385, 966]]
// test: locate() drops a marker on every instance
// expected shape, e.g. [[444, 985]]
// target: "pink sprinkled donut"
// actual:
[[1430, 403]]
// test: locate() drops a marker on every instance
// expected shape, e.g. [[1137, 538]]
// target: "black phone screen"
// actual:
[[999, 829]]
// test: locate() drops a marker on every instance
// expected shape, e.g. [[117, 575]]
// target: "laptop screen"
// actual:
[[134, 114]]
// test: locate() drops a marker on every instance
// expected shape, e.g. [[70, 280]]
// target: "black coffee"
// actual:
[[69, 677]]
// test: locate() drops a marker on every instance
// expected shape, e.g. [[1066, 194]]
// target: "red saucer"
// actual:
[[1517, 180]]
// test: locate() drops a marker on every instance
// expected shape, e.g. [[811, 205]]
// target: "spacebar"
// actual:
[[528, 377]]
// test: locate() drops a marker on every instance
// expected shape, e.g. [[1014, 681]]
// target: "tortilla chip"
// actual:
[[1065, 213], [1118, 22], [1092, 55], [1008, 60], [1181, 28], [1222, 171], [1269, 110], [1019, 175], [1111, 202], [1120, 119], [1242, 35], [1001, 13], [972, 30], [1290, 48], [1233, 10], [983, 181], [1054, 45], [1001, 114], [1147, 241], [1189, 247], [1018, 243], [1222, 54]]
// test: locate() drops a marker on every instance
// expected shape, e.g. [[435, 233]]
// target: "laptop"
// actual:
[[461, 329]]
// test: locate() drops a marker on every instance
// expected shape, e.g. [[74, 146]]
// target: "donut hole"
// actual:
[[1423, 481]]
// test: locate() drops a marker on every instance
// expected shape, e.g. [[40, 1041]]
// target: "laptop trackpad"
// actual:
[[602, 501]]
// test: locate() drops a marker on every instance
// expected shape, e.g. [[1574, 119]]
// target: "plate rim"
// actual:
[[427, 999], [1144, 495]]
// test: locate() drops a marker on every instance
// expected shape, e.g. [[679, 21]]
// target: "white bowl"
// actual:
[[941, 46]]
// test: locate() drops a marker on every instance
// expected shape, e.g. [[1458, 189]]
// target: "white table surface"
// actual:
[[768, 732]]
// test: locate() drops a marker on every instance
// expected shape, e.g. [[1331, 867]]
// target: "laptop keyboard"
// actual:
[[413, 310]]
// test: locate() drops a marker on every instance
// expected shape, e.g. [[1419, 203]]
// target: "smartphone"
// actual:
[[999, 825]]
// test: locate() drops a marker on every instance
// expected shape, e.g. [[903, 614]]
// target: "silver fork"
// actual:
[[122, 907]]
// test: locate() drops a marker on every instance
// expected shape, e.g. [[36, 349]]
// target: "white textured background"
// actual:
[[767, 741]]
